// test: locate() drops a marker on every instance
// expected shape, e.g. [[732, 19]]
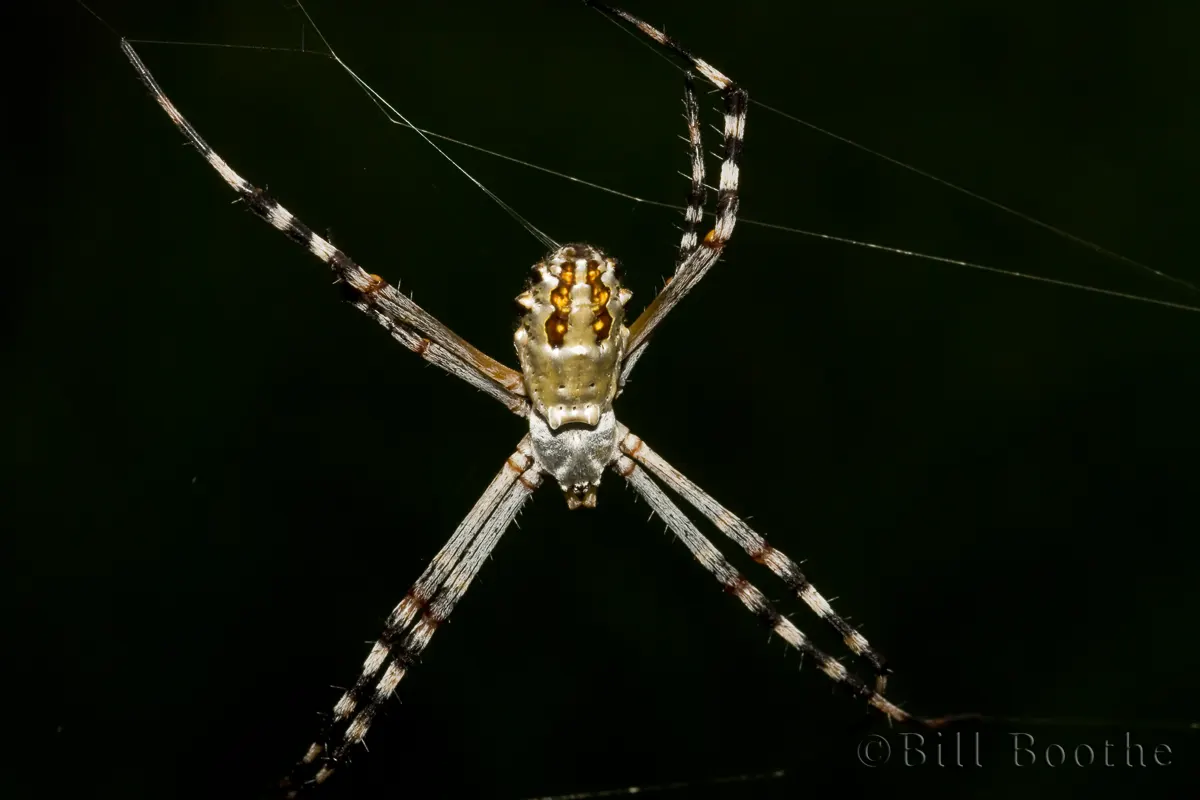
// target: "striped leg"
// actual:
[[757, 548], [698, 194], [712, 560], [412, 325], [435, 593], [701, 258]]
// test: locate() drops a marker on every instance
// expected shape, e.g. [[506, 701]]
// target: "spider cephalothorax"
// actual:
[[570, 341]]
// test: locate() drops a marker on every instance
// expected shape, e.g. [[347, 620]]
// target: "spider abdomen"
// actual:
[[572, 335]]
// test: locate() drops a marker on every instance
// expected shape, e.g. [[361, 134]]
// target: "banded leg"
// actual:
[[698, 194], [695, 264], [435, 593], [712, 560], [412, 325], [756, 547]]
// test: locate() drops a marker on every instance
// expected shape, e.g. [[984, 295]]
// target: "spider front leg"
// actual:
[[404, 638], [733, 582], [697, 256], [413, 326], [694, 214], [757, 548]]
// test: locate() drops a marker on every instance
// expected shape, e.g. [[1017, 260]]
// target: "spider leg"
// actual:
[[701, 256], [712, 560], [757, 548], [698, 194], [413, 326], [433, 596]]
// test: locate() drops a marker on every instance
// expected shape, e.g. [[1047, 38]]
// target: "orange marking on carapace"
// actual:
[[600, 294], [556, 329], [602, 326]]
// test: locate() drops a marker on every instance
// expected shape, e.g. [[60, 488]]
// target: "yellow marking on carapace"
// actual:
[[602, 326], [600, 294], [556, 329]]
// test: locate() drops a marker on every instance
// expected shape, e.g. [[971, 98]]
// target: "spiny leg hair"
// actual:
[[698, 195], [440, 587], [756, 547], [696, 264], [712, 560], [410, 324]]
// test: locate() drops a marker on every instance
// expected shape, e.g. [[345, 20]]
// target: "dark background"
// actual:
[[222, 478]]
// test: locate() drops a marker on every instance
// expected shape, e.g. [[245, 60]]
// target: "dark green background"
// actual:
[[222, 478]]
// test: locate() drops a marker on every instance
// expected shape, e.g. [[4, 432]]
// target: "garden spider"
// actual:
[[389, 464], [576, 354]]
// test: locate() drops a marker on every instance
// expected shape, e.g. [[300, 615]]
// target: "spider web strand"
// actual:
[[1029, 218], [383, 105], [426, 132]]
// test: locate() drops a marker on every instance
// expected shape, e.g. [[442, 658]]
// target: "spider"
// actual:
[[576, 353]]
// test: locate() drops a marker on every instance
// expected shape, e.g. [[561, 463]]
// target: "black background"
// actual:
[[222, 479]]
